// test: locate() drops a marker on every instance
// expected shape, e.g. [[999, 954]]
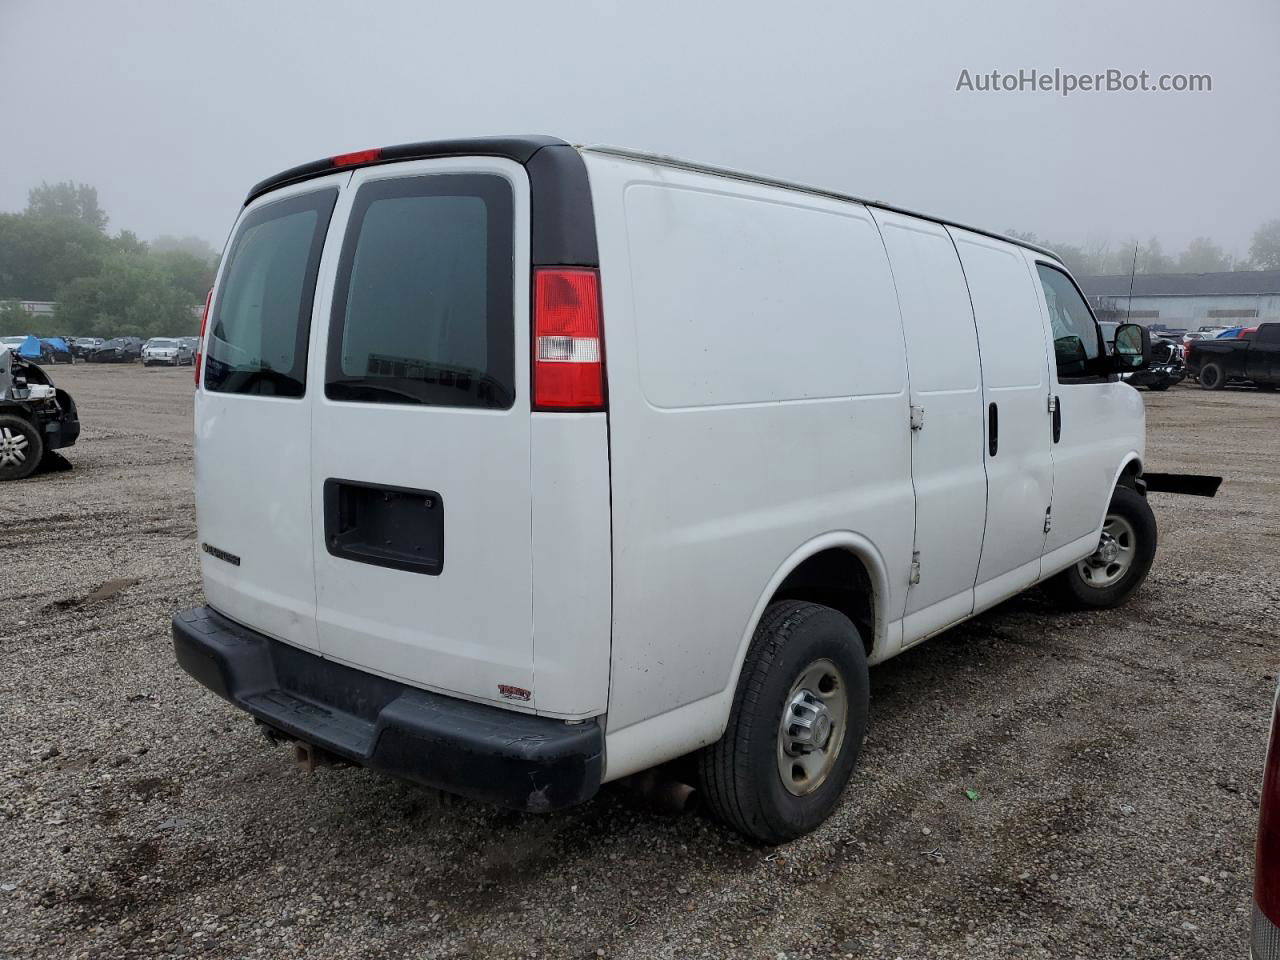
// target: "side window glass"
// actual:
[[262, 315], [1075, 334]]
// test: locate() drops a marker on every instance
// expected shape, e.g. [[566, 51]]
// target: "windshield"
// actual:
[[162, 343]]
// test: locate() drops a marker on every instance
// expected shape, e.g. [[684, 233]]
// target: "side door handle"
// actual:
[[993, 429], [1057, 419]]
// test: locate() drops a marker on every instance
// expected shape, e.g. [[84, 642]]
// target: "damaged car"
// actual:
[[1167, 365], [36, 417], [119, 350]]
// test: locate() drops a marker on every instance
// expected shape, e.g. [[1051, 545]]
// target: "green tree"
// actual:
[[38, 255], [129, 296], [196, 246], [1264, 252], [190, 274], [1203, 256], [1152, 258], [67, 201]]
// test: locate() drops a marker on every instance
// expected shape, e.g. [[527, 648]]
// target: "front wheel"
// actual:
[[797, 723], [1126, 548], [21, 448]]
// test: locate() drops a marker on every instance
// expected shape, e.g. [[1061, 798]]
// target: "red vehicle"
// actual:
[[1265, 938]]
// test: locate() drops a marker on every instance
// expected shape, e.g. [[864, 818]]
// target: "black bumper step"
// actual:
[[511, 759]]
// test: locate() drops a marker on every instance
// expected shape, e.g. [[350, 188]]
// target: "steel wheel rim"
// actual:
[[812, 728], [1117, 548], [13, 448]]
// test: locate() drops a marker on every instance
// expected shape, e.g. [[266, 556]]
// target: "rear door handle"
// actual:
[[993, 429], [1057, 419]]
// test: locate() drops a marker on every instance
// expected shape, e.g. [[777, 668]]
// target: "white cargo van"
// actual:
[[522, 467]]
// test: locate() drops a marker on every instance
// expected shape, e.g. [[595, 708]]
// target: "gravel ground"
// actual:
[[1116, 757]]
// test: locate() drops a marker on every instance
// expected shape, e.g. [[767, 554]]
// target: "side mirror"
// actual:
[[1133, 347]]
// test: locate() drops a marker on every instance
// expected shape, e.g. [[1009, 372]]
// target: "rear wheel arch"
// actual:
[[807, 575]]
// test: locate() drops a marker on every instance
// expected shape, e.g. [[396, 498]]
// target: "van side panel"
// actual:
[[757, 400], [1015, 382], [947, 462], [569, 474]]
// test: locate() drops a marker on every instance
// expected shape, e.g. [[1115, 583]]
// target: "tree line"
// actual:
[[110, 286], [1201, 255], [59, 249]]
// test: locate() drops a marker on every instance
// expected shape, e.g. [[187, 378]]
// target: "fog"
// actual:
[[172, 110]]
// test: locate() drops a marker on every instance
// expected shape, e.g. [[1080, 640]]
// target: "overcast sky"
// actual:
[[173, 109]]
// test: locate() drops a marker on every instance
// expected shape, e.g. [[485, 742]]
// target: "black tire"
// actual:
[[1212, 377], [1072, 590], [1267, 387], [739, 775], [1157, 387], [14, 430]]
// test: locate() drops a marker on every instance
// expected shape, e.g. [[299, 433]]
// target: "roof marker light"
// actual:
[[357, 158]]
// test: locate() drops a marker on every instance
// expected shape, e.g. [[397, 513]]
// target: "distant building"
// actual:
[[39, 309], [1188, 301]]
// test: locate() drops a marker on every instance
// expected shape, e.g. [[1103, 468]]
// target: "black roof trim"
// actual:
[[807, 188], [564, 232]]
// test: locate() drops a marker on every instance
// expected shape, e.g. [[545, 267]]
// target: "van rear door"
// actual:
[[420, 487], [253, 417]]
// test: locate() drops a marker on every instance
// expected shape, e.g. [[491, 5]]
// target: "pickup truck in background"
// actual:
[[1254, 356]]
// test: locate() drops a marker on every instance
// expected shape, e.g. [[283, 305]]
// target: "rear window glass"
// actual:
[[422, 311], [262, 314]]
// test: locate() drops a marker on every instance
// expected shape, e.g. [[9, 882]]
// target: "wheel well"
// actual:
[[1131, 475], [838, 579]]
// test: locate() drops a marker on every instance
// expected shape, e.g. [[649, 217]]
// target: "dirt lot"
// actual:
[[1116, 758]]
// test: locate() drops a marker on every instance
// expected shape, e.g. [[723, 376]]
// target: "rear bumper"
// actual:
[[511, 759]]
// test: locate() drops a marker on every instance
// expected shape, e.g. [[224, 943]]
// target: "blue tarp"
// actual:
[[1231, 334], [30, 349], [58, 344]]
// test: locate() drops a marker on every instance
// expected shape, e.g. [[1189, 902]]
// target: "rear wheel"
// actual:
[[1212, 377], [1266, 387], [798, 719], [1107, 577], [21, 447]]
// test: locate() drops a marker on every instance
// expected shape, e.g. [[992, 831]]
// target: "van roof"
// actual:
[[677, 163], [523, 149]]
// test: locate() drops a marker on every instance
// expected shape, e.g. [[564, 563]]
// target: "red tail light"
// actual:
[[1266, 875], [568, 349], [357, 157], [204, 322]]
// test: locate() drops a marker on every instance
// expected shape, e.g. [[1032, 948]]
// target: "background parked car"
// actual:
[[83, 346], [58, 350], [29, 348], [1167, 366], [1254, 355], [119, 350], [35, 416], [169, 351]]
